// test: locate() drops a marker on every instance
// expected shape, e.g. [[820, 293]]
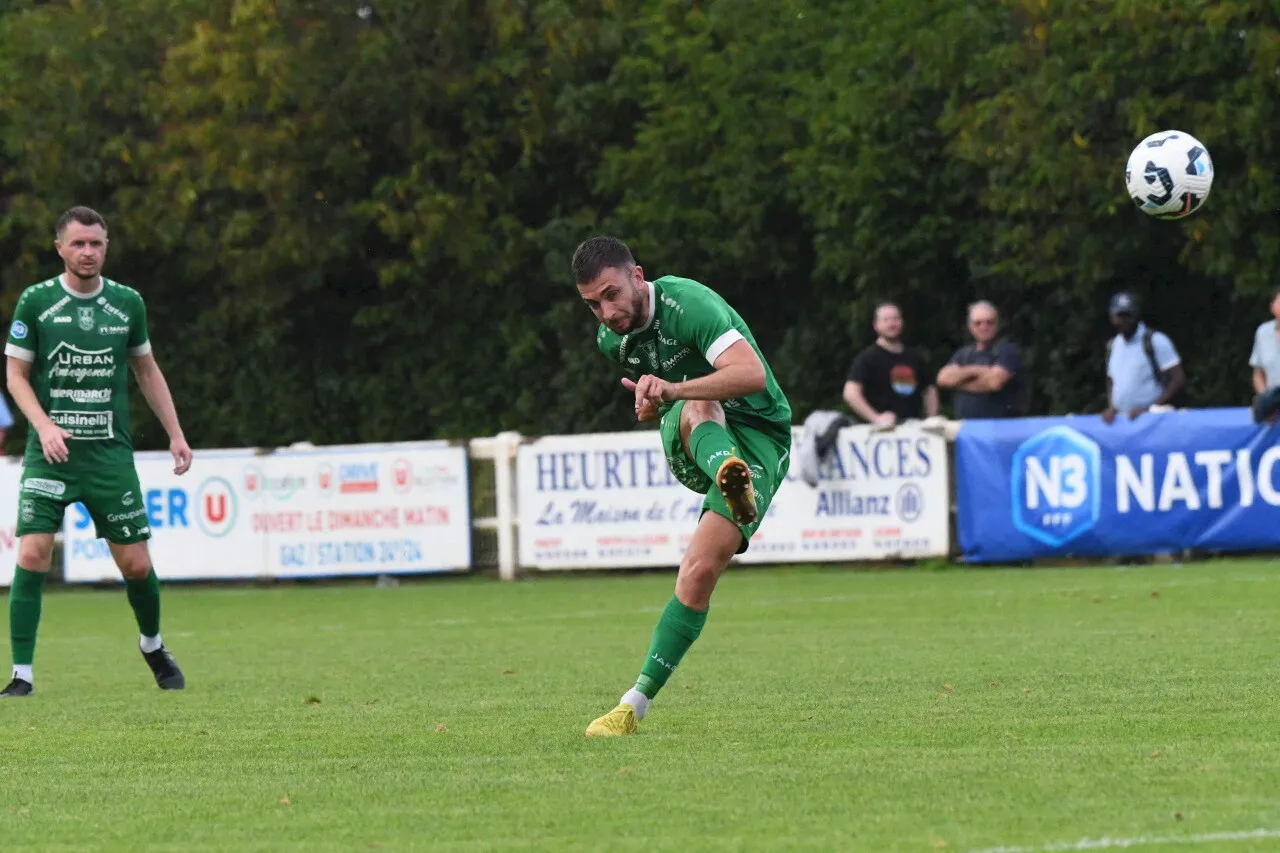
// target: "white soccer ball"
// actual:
[[1169, 174]]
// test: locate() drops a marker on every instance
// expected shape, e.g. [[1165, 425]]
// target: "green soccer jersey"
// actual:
[[689, 327], [79, 345]]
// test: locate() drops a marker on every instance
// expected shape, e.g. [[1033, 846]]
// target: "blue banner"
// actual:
[[1204, 479]]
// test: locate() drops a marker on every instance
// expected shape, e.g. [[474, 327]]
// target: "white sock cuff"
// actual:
[[149, 644], [636, 700]]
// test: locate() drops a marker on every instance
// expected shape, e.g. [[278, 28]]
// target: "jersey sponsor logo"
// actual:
[[127, 499], [41, 486], [18, 330], [126, 516], [669, 363], [84, 316], [113, 330], [53, 309], [62, 318], [111, 309], [82, 395], [68, 361], [85, 426]]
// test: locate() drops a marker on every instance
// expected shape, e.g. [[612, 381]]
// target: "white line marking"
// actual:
[[1141, 841]]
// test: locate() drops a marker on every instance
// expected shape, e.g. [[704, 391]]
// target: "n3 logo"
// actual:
[[1056, 486]]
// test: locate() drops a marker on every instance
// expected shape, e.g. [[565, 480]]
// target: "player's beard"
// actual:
[[634, 318], [637, 310]]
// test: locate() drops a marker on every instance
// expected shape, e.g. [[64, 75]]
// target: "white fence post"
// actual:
[[502, 449], [504, 463]]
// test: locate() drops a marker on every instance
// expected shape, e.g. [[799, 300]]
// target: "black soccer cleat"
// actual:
[[17, 688], [165, 669]]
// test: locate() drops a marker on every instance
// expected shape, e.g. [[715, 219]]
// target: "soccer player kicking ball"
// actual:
[[725, 428], [66, 369]]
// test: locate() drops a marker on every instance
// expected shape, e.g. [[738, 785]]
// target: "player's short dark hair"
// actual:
[[598, 254], [884, 303], [81, 214]]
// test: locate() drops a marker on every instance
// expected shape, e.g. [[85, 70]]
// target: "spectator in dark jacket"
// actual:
[[986, 374]]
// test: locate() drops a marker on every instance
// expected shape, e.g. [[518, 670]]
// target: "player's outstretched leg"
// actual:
[[142, 588], [708, 444], [25, 603], [714, 543]]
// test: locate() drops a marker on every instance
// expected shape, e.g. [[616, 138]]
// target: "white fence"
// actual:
[[558, 502]]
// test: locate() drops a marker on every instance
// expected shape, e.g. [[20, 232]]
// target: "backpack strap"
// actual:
[[1149, 347]]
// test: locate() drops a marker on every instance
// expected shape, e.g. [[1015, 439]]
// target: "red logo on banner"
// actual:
[[402, 475], [324, 478]]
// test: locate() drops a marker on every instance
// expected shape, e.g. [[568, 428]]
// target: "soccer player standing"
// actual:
[[725, 429], [68, 345]]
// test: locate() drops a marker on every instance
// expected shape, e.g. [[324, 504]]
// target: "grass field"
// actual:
[[823, 709]]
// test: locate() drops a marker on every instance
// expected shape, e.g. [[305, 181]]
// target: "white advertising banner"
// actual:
[[369, 509], [10, 476], [608, 501]]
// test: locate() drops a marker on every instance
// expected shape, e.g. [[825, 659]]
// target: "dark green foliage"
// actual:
[[356, 227]]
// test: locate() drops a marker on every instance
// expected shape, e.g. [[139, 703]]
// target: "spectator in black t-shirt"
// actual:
[[888, 382], [986, 374]]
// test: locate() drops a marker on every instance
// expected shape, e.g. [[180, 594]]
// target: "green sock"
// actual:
[[144, 598], [678, 627], [24, 614], [710, 445]]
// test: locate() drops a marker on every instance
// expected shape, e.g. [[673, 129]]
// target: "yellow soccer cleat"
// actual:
[[620, 721], [734, 481]]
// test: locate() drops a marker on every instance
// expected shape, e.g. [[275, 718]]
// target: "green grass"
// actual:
[[823, 709]]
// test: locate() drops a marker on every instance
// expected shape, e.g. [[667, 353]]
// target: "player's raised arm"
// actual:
[[738, 373]]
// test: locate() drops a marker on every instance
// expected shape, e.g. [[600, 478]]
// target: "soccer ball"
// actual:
[[1169, 174]]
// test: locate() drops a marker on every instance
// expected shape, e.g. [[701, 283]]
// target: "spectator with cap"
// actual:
[[986, 374], [1143, 368], [1265, 361]]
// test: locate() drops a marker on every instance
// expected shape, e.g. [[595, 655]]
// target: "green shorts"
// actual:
[[767, 458], [112, 496]]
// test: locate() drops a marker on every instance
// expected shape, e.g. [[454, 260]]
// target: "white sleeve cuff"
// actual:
[[721, 344], [19, 352], [1172, 363], [142, 349]]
